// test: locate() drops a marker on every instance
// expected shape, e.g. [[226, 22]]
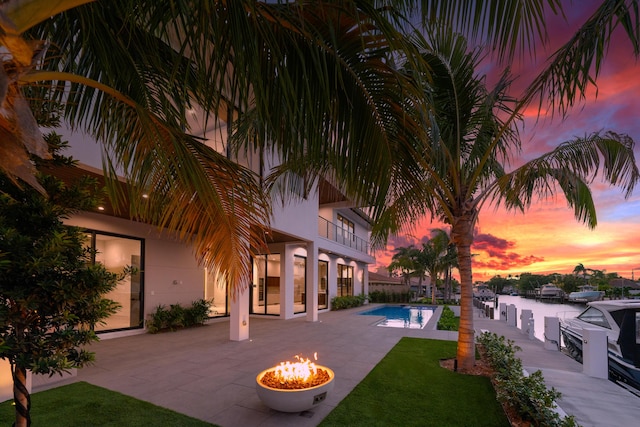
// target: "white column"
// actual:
[[365, 278], [311, 295], [532, 328], [594, 353], [503, 311], [239, 317], [512, 315], [525, 315], [551, 333], [286, 281]]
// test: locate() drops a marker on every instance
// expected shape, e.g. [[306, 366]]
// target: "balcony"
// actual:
[[333, 232]]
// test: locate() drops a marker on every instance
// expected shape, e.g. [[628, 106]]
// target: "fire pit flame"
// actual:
[[294, 386], [302, 371], [295, 375]]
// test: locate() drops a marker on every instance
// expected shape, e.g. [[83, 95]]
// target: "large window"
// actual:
[[345, 280], [299, 284], [265, 294], [116, 252], [216, 291], [346, 228], [323, 279]]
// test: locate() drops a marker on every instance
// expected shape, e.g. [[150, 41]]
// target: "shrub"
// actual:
[[176, 316], [384, 296], [340, 303], [448, 321], [198, 313], [528, 395]]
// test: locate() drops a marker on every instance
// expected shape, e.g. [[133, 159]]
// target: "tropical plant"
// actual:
[[176, 316], [527, 394], [147, 78], [448, 320], [312, 79], [347, 301], [437, 257], [405, 261], [472, 138], [581, 270], [51, 293]]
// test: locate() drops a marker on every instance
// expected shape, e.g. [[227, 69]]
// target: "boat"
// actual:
[[620, 319], [550, 291], [585, 294], [483, 293]]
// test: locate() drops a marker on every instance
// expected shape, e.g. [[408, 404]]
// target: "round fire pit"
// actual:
[[293, 400]]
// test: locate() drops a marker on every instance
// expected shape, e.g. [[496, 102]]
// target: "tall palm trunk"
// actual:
[[434, 290], [21, 396], [462, 237]]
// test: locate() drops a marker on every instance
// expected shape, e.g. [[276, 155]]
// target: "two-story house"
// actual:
[[318, 248]]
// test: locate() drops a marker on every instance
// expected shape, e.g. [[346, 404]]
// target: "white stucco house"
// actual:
[[318, 248]]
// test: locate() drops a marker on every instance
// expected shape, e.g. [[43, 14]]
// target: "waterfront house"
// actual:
[[317, 249]]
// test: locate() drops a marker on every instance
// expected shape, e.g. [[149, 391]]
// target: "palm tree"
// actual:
[[405, 260], [433, 258], [449, 261], [312, 79], [580, 269], [302, 78], [472, 138]]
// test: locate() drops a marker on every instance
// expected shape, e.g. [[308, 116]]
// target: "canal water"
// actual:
[[539, 309]]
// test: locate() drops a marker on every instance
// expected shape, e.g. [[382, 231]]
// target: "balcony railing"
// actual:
[[344, 237]]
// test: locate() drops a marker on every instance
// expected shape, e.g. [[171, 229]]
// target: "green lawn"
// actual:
[[86, 405], [409, 388]]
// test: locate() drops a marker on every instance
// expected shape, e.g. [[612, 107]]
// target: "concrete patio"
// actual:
[[201, 373]]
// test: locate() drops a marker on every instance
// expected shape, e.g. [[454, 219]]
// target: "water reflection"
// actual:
[[408, 317], [540, 310]]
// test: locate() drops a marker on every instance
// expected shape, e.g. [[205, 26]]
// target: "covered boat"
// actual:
[[620, 319], [483, 293], [550, 291], [585, 294]]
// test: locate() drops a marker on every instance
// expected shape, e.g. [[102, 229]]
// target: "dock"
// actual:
[[594, 402]]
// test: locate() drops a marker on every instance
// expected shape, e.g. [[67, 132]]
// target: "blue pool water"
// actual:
[[402, 316]]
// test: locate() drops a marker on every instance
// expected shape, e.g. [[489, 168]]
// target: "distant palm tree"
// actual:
[[580, 269], [406, 261], [433, 257], [471, 140]]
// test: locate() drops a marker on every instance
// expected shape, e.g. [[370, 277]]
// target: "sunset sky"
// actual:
[[547, 238]]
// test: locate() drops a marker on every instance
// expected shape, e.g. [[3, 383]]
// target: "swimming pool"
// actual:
[[402, 316]]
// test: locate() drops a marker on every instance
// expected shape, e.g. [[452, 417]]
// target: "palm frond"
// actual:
[[572, 166], [506, 27], [340, 103], [577, 64]]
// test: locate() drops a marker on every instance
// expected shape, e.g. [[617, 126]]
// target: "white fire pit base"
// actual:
[[293, 400]]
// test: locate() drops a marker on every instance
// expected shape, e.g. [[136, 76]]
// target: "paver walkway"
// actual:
[[594, 402], [199, 372]]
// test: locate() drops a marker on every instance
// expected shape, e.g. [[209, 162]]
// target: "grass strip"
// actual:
[[86, 405], [410, 388]]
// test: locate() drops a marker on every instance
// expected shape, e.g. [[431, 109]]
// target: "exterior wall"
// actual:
[[171, 273], [297, 218]]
